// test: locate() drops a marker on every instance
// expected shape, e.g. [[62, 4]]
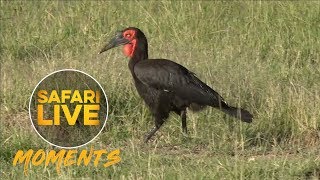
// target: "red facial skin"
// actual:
[[129, 48]]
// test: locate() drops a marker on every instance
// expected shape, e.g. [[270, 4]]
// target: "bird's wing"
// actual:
[[169, 76]]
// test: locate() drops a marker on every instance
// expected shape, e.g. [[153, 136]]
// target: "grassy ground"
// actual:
[[263, 56]]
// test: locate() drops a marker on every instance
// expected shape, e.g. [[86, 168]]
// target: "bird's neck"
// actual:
[[139, 53]]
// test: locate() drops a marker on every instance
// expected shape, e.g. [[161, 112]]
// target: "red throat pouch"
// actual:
[[129, 49]]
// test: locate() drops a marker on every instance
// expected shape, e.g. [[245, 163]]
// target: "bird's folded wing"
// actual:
[[171, 77]]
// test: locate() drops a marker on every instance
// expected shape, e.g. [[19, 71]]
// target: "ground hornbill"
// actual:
[[165, 85]]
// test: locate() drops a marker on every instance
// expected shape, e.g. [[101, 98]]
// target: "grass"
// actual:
[[260, 55]]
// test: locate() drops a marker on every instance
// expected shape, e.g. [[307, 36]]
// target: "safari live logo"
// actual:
[[68, 109]]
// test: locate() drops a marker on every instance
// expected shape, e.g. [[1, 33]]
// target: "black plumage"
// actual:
[[166, 86]]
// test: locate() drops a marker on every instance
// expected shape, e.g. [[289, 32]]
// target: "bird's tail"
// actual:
[[239, 113]]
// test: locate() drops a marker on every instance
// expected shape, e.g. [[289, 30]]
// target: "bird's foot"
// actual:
[[146, 139], [185, 134], [150, 134]]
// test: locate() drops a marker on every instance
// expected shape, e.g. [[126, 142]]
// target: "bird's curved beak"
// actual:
[[114, 42]]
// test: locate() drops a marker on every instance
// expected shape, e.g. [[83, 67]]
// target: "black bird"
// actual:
[[166, 86]]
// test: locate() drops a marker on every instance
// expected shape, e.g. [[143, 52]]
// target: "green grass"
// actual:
[[263, 56]]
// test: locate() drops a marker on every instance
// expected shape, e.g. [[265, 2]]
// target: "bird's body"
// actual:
[[166, 86], [161, 81]]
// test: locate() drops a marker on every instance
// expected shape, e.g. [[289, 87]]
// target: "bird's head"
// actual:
[[128, 37]]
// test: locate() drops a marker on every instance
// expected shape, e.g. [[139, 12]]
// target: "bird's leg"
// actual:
[[184, 121], [153, 130], [151, 133]]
